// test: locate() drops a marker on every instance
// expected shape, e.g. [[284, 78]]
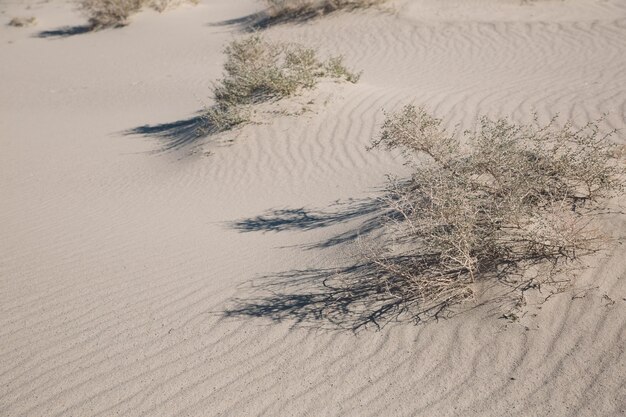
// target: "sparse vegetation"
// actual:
[[258, 70], [115, 13], [304, 9], [494, 204], [23, 21]]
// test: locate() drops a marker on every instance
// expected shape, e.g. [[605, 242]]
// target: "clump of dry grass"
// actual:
[[115, 13], [258, 70], [23, 21], [109, 13], [163, 5], [490, 205], [300, 9]]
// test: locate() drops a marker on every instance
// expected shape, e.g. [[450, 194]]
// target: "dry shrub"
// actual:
[[491, 205], [109, 13], [115, 13], [258, 70], [298, 9], [23, 21], [162, 5]]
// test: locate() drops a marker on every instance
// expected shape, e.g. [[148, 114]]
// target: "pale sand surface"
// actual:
[[117, 262]]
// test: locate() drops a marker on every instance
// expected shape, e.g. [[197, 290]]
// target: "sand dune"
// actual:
[[120, 257]]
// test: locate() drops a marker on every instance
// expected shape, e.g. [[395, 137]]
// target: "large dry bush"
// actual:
[[491, 205], [113, 13], [258, 70]]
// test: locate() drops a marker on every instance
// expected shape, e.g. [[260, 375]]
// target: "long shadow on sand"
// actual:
[[316, 295], [174, 135], [265, 19], [262, 20], [360, 295], [367, 211], [65, 31], [352, 297]]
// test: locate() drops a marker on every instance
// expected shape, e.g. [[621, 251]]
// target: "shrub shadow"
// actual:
[[175, 135], [368, 210], [264, 20], [364, 294], [352, 298], [65, 31], [256, 22], [245, 22], [348, 298]]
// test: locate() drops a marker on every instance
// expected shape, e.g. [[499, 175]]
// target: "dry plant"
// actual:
[[115, 13], [258, 70], [23, 21], [163, 5], [489, 205], [303, 9]]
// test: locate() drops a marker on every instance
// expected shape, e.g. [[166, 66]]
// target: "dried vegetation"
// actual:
[[258, 70], [507, 203], [23, 21], [115, 13]]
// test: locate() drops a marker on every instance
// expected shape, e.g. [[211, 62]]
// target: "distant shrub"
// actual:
[[23, 21], [258, 70], [162, 5], [114, 13], [504, 199], [299, 9], [109, 13]]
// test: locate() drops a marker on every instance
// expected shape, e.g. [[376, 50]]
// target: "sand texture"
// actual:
[[147, 272]]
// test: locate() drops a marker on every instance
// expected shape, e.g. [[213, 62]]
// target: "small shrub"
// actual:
[[223, 117], [162, 5], [335, 68], [258, 70], [109, 13], [23, 21], [302, 9], [503, 200], [115, 13]]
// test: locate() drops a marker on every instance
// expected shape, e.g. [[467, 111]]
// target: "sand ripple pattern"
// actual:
[[117, 264]]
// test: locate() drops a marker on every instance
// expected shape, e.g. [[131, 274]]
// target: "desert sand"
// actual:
[[125, 244]]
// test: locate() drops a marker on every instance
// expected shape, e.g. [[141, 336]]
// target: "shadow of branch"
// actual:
[[293, 13], [175, 135], [64, 32], [348, 298], [364, 296], [372, 293], [278, 220], [344, 298], [264, 20], [367, 213]]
